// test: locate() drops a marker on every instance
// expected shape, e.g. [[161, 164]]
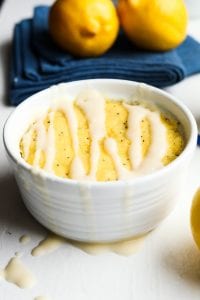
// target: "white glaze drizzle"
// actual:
[[48, 245], [77, 169], [26, 142], [92, 103], [111, 147], [53, 242], [157, 148], [18, 273], [49, 147], [67, 107], [135, 115], [24, 239], [41, 140], [45, 141]]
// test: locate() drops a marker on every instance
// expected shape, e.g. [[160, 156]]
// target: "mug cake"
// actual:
[[96, 138]]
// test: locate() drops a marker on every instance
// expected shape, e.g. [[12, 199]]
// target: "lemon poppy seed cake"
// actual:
[[99, 139]]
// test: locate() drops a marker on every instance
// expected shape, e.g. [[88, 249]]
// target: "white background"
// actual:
[[168, 265]]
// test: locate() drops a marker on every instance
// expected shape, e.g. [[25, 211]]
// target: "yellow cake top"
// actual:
[[93, 138]]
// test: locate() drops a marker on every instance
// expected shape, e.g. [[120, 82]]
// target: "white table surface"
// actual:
[[168, 265]]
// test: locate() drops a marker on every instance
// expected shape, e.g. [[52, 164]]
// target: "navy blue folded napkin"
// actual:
[[38, 63]]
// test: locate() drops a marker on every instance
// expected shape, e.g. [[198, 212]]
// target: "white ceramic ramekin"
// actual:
[[99, 211]]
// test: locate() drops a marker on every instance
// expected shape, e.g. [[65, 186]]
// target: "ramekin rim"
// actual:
[[138, 180]]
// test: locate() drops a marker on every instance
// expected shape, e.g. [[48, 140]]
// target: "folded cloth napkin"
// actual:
[[38, 63]]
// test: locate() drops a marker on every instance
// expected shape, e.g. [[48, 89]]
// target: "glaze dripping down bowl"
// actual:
[[94, 211]]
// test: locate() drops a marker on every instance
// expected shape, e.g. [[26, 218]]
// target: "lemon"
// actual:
[[84, 27], [195, 217], [154, 25]]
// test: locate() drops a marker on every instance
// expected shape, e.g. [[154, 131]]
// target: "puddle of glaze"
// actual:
[[24, 239], [41, 298], [17, 273], [53, 242], [18, 254], [126, 247]]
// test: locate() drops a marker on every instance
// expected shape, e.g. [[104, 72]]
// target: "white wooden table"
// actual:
[[166, 268]]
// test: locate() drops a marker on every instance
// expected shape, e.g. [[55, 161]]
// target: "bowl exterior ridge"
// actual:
[[101, 212], [132, 212]]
